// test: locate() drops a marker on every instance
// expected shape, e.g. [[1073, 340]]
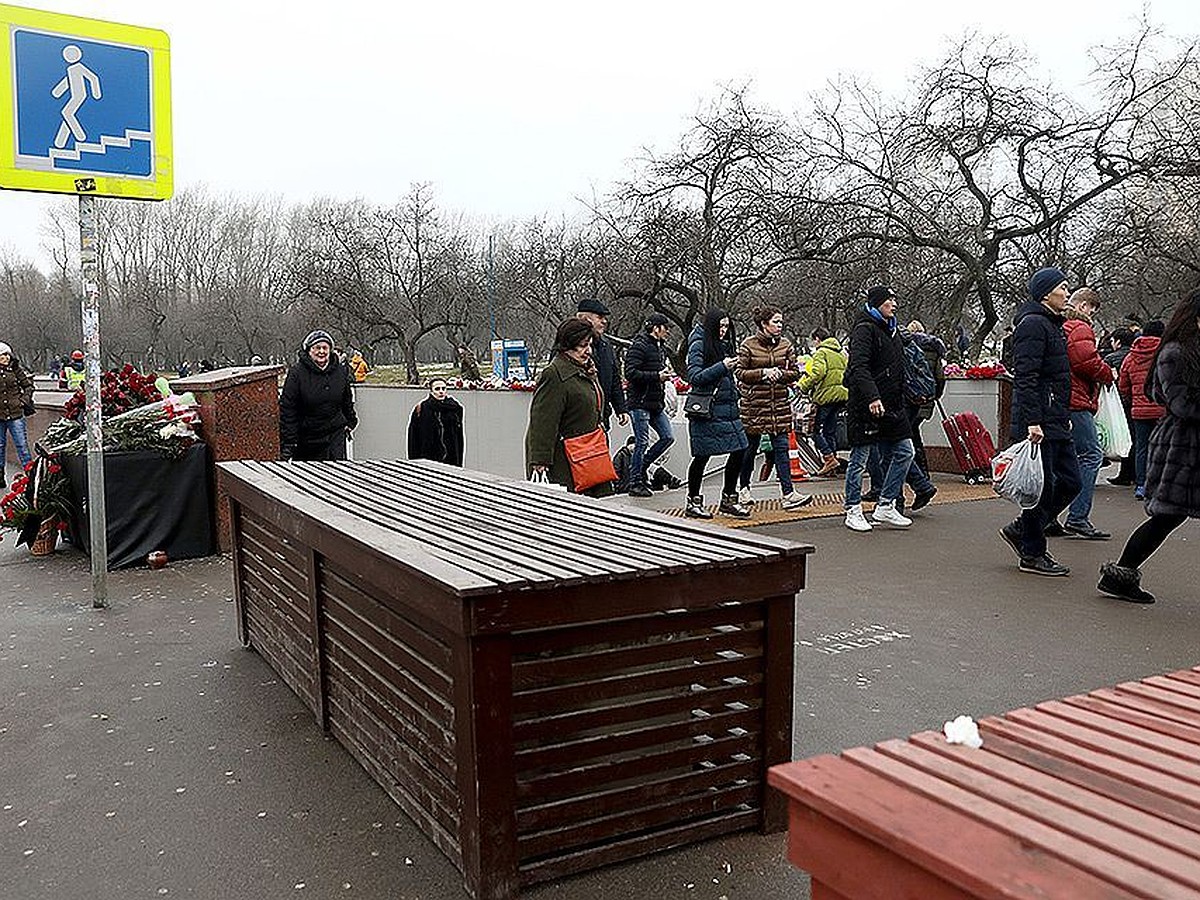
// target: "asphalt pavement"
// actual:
[[145, 753]]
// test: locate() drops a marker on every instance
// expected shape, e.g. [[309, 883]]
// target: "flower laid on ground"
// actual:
[[38, 493], [120, 391]]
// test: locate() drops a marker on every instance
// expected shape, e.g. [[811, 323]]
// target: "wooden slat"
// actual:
[[540, 672], [571, 696], [645, 816], [1085, 775], [1116, 837], [1115, 748], [921, 836], [595, 803], [1153, 781], [562, 865], [542, 788], [746, 616], [573, 750], [1184, 745], [623, 710], [1093, 800]]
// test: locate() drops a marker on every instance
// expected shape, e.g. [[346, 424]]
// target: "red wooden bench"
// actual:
[[1093, 796]]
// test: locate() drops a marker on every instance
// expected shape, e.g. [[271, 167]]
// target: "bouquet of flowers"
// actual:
[[986, 368], [37, 494], [120, 391], [167, 425]]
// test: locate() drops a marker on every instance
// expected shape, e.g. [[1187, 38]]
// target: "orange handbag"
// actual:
[[590, 463], [588, 456]]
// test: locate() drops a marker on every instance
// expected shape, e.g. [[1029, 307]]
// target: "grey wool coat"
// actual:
[[1173, 466]]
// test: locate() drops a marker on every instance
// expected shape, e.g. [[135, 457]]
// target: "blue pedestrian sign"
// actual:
[[84, 106]]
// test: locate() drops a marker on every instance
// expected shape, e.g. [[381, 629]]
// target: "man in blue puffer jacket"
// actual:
[[1041, 413]]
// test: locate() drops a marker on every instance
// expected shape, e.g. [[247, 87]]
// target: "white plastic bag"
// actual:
[[541, 479], [1111, 425], [1017, 474]]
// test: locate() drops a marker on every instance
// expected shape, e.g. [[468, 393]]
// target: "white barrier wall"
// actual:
[[494, 424]]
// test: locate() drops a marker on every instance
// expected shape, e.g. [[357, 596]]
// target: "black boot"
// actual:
[[730, 507], [1123, 582], [696, 509]]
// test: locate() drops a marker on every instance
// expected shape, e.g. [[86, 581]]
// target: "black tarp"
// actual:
[[151, 502]]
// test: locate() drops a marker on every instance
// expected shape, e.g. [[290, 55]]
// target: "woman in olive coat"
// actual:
[[566, 403], [1173, 468]]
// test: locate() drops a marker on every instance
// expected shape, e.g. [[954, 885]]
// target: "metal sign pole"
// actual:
[[90, 312]]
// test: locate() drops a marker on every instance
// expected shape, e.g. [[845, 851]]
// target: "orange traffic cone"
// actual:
[[798, 472]]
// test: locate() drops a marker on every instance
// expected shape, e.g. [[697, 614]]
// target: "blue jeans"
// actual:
[[825, 428], [917, 478], [897, 456], [1060, 466], [1087, 449], [779, 451], [642, 421], [15, 427], [1141, 448]]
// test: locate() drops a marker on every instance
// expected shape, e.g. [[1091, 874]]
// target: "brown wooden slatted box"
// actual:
[[545, 683]]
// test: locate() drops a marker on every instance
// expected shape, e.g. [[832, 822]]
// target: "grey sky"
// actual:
[[515, 109]]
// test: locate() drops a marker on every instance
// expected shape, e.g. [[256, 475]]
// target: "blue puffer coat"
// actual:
[[723, 433]]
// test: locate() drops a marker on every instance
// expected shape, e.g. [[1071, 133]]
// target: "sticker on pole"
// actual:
[[84, 106]]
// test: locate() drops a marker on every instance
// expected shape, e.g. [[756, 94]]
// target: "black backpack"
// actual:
[[920, 386]]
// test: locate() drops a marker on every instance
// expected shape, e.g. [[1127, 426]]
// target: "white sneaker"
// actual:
[[886, 514], [745, 497], [855, 520], [795, 500]]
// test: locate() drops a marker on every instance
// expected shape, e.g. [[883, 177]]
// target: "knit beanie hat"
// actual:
[[315, 337], [1044, 281], [879, 294], [4, 348]]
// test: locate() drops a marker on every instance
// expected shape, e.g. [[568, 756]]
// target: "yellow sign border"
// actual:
[[160, 185]]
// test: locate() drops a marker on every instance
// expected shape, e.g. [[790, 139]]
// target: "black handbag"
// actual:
[[698, 406]]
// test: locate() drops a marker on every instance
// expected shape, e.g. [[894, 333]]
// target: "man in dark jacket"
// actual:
[[595, 313], [875, 410], [316, 408], [646, 369], [1041, 413]]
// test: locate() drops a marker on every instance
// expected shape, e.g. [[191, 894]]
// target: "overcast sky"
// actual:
[[516, 109]]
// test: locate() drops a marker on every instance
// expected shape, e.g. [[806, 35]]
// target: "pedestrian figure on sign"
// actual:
[[78, 80]]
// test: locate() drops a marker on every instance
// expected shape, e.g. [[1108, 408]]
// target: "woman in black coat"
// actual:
[[316, 408], [435, 430], [711, 362], [1173, 468]]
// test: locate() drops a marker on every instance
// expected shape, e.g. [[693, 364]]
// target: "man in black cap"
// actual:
[[1041, 413], [595, 313], [647, 369]]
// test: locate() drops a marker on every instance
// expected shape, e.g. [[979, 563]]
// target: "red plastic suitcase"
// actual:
[[971, 443]]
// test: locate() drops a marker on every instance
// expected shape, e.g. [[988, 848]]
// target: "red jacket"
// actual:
[[1132, 382], [1088, 370]]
